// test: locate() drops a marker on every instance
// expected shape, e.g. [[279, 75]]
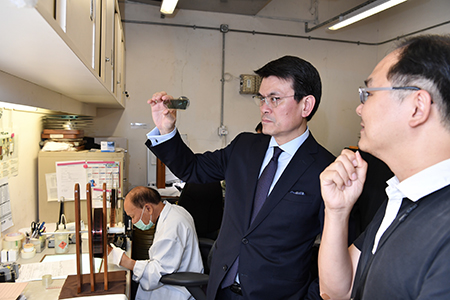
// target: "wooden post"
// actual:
[[91, 244], [78, 236], [105, 240], [160, 174]]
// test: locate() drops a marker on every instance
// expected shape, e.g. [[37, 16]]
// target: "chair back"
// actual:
[[206, 245]]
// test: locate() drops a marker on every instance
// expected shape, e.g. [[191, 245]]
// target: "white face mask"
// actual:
[[141, 225]]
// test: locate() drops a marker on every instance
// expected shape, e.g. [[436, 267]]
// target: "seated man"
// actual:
[[174, 249]]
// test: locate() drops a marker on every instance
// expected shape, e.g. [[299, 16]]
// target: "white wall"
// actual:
[[23, 190], [27, 127], [186, 61]]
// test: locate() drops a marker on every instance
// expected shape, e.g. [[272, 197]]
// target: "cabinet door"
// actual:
[[47, 7], [107, 51], [97, 5], [120, 61], [81, 26]]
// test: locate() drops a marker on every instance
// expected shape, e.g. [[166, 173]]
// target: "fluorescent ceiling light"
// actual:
[[168, 6], [364, 12]]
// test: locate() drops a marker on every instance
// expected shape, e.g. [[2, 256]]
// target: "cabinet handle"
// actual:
[[92, 10], [107, 59]]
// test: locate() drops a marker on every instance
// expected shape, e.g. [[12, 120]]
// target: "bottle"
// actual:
[[181, 103], [61, 240]]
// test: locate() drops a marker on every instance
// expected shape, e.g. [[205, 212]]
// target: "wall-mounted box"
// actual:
[[249, 84]]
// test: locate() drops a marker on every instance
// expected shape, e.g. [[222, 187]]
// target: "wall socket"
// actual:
[[222, 131]]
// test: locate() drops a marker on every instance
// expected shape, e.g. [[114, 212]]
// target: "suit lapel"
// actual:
[[294, 170]]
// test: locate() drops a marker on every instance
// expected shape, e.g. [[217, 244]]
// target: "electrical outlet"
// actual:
[[222, 131]]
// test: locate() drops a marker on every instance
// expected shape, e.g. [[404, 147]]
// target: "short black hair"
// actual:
[[142, 195], [426, 58], [304, 76]]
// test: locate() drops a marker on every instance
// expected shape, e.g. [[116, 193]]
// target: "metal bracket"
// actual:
[[224, 28]]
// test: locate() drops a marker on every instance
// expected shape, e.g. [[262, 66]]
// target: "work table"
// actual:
[[35, 290]]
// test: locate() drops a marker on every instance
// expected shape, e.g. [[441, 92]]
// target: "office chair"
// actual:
[[192, 281]]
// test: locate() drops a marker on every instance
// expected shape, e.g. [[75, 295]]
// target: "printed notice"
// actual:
[[5, 205], [68, 173]]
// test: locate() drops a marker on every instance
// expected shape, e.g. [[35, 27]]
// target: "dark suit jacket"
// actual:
[[275, 250]]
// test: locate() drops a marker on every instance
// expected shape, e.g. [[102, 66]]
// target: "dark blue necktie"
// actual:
[[262, 190], [264, 182]]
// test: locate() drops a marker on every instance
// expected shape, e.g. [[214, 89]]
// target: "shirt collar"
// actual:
[[423, 183], [292, 146]]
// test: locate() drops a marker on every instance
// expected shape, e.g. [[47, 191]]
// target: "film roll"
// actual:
[[47, 280], [28, 247], [13, 240], [28, 255]]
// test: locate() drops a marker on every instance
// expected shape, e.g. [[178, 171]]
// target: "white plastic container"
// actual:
[[61, 240]]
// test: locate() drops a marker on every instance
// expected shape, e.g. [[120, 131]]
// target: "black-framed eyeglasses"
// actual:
[[364, 91], [272, 101]]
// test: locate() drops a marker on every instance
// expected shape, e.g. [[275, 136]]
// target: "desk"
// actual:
[[36, 291]]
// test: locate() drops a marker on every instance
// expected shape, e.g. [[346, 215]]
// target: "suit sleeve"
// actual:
[[190, 167]]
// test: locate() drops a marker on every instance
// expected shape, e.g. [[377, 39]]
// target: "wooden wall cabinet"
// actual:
[[72, 47]]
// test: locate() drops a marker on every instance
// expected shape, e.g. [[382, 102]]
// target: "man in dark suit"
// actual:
[[264, 246]]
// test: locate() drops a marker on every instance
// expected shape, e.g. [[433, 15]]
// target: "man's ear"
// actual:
[[149, 208], [422, 103], [308, 105]]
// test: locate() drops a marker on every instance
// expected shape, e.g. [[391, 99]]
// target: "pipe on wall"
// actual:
[[254, 32]]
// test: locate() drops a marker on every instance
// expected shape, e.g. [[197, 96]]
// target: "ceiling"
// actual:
[[242, 7]]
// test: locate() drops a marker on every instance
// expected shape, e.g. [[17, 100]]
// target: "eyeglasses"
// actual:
[[364, 92], [272, 101]]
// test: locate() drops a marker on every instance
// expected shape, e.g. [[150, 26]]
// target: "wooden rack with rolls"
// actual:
[[100, 283]]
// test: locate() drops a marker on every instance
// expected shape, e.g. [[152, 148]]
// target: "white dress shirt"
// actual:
[[289, 150]]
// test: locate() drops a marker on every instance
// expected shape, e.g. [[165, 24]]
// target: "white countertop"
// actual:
[[35, 290]]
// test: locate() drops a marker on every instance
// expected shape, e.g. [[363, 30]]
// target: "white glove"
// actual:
[[115, 255]]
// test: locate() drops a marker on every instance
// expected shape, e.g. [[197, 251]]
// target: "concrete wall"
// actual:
[[187, 61]]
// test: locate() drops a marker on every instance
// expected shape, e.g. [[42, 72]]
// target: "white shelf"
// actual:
[[37, 51]]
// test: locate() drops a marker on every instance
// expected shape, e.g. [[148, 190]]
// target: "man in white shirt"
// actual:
[[174, 248], [403, 254]]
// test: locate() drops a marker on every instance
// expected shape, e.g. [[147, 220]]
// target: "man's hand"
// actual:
[[163, 118], [114, 254], [342, 182]]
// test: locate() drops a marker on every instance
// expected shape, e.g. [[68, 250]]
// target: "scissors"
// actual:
[[35, 228]]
